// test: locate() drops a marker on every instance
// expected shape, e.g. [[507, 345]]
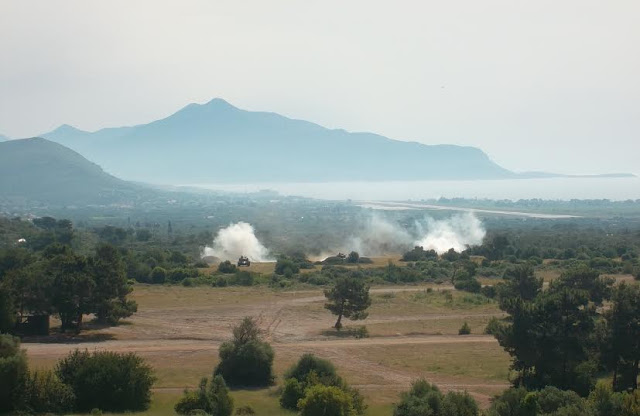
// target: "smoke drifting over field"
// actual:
[[379, 236], [456, 232], [237, 240]]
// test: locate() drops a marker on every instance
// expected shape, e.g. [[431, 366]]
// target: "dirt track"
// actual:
[[50, 349]]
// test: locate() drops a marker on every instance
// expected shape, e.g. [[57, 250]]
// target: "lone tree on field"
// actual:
[[349, 298]]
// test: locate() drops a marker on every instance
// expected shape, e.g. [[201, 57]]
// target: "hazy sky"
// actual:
[[539, 84]]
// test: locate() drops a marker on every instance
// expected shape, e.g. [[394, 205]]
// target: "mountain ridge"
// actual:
[[217, 142], [39, 170]]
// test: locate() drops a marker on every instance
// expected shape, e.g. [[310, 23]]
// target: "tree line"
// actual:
[[59, 281]]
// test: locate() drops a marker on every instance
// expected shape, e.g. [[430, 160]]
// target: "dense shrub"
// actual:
[[310, 371], [353, 257], [419, 254], [603, 400], [319, 280], [286, 266], [177, 275], [426, 399], [489, 291], [43, 392], [123, 380], [246, 360], [493, 326], [465, 329], [211, 398], [323, 400], [308, 363], [245, 410], [292, 392], [512, 403], [459, 404], [470, 284], [549, 401], [243, 278], [158, 275], [227, 267], [13, 372]]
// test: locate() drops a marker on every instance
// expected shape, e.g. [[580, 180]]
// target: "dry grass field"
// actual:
[[413, 333]]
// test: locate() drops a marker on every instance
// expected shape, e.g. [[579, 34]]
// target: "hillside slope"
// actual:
[[217, 142], [39, 170]]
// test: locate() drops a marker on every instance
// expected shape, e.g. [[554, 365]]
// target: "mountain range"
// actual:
[[219, 143]]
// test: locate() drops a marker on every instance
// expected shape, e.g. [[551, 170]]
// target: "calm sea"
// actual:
[[549, 188]]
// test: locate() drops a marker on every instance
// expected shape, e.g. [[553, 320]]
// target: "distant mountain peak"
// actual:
[[214, 105], [218, 102], [67, 129]]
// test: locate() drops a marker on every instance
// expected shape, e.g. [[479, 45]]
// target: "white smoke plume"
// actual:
[[456, 232], [378, 237], [237, 240]]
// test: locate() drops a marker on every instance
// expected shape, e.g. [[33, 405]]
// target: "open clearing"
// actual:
[[413, 333]]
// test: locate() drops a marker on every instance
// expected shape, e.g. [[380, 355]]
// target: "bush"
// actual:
[[604, 401], [211, 399], [465, 329], [469, 284], [123, 380], [310, 363], [227, 267], [361, 332], [548, 401], [422, 399], [322, 400], [179, 274], [286, 266], [43, 392], [512, 403], [310, 371], [243, 278], [631, 403], [493, 326], [419, 254], [158, 275], [246, 360], [13, 372], [459, 404], [489, 291], [292, 392], [353, 257], [318, 280], [551, 399], [426, 399], [245, 410]]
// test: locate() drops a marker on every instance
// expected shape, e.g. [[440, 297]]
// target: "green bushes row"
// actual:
[[80, 382]]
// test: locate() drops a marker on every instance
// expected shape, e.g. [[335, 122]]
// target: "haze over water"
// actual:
[[512, 189]]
